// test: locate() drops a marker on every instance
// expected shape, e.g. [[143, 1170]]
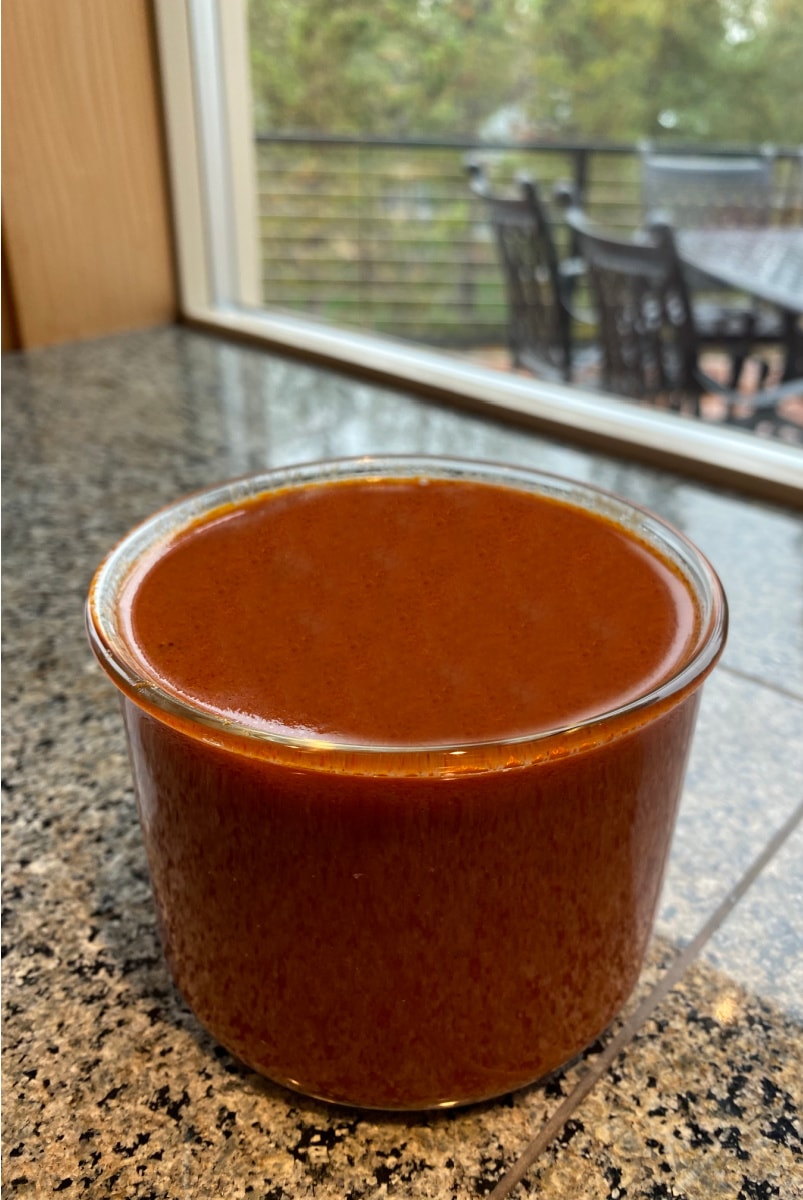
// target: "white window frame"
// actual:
[[206, 97]]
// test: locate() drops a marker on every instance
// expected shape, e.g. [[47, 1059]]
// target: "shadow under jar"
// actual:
[[408, 738]]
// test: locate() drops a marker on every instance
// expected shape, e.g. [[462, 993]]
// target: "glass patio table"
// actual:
[[765, 263]]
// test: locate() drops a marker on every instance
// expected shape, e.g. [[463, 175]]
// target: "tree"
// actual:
[[701, 70], [383, 67]]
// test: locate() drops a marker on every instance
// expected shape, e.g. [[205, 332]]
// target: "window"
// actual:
[[218, 166]]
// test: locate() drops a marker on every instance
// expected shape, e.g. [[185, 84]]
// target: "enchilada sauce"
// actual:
[[406, 928]]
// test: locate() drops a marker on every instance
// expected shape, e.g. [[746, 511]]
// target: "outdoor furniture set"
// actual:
[[705, 272]]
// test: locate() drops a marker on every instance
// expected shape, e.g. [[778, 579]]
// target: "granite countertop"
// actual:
[[110, 1086]]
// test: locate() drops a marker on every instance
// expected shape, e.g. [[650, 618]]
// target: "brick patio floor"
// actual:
[[715, 365]]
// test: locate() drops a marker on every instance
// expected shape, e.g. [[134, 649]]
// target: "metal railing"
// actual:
[[383, 235]]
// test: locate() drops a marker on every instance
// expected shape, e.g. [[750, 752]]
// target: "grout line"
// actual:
[[632, 1025], [766, 683]]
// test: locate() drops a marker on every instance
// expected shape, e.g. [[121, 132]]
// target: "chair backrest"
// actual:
[[646, 324], [703, 192], [539, 328]]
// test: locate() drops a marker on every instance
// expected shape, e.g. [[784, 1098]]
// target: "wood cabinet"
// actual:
[[87, 238]]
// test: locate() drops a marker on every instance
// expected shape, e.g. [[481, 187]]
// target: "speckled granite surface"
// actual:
[[110, 1087]]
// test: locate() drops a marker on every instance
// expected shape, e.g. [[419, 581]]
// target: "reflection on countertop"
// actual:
[[111, 1088]]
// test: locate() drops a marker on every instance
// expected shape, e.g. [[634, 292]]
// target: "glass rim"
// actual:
[[129, 674]]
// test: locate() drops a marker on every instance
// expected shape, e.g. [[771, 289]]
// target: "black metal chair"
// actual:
[[650, 343], [707, 192], [539, 285]]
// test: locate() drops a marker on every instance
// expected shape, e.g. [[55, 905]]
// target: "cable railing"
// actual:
[[380, 234]]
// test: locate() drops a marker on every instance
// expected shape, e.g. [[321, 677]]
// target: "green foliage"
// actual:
[[701, 70], [384, 66]]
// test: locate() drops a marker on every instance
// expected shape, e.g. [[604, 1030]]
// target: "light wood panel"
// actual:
[[86, 223], [11, 338]]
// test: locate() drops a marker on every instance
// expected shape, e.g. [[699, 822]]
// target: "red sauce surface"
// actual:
[[376, 935], [409, 612]]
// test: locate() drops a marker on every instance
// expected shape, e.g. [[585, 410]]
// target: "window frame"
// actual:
[[212, 173]]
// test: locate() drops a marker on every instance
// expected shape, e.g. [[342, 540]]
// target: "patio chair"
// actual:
[[539, 286], [706, 192], [650, 342]]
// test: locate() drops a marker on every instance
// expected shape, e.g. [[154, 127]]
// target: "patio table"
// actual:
[[766, 263]]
